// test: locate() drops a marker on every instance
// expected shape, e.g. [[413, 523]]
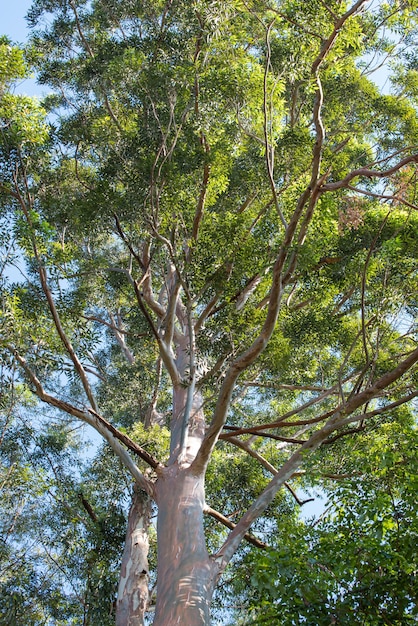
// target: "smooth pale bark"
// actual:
[[186, 573], [133, 592]]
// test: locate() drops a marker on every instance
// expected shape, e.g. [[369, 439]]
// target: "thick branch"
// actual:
[[380, 411], [203, 191], [245, 445], [238, 366], [141, 452], [165, 351], [328, 44], [173, 298], [230, 546]]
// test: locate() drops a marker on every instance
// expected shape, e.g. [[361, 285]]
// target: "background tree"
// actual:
[[217, 250]]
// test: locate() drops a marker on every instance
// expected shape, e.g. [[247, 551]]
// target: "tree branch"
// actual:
[[165, 350], [338, 419], [227, 522], [103, 427], [382, 196], [277, 423], [119, 335], [368, 173], [51, 303], [269, 148]]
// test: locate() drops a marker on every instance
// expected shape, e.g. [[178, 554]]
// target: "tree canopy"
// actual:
[[209, 239]]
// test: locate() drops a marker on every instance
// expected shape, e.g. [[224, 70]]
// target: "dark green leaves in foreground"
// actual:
[[356, 561]]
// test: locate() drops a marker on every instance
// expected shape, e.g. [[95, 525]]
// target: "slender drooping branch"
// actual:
[[112, 435], [278, 422], [51, 303], [269, 147]]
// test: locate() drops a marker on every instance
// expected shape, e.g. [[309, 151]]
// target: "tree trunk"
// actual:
[[186, 573], [132, 599]]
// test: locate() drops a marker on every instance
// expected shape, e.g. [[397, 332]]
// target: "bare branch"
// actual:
[[86, 504], [245, 445], [380, 411], [165, 350], [99, 320], [365, 172], [382, 196], [239, 365], [296, 497], [51, 303], [141, 452], [190, 390], [279, 422], [90, 417], [126, 241], [227, 522], [328, 44], [203, 190], [173, 291], [227, 550], [269, 153], [231, 436], [206, 312], [121, 339], [284, 386]]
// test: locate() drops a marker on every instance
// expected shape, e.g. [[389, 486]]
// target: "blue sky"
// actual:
[[12, 22]]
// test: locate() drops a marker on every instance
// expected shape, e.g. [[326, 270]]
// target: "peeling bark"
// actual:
[[133, 592]]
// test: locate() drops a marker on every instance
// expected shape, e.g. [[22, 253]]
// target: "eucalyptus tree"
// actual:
[[219, 230]]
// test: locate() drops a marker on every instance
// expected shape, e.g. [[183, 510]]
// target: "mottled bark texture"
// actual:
[[132, 599], [186, 573]]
